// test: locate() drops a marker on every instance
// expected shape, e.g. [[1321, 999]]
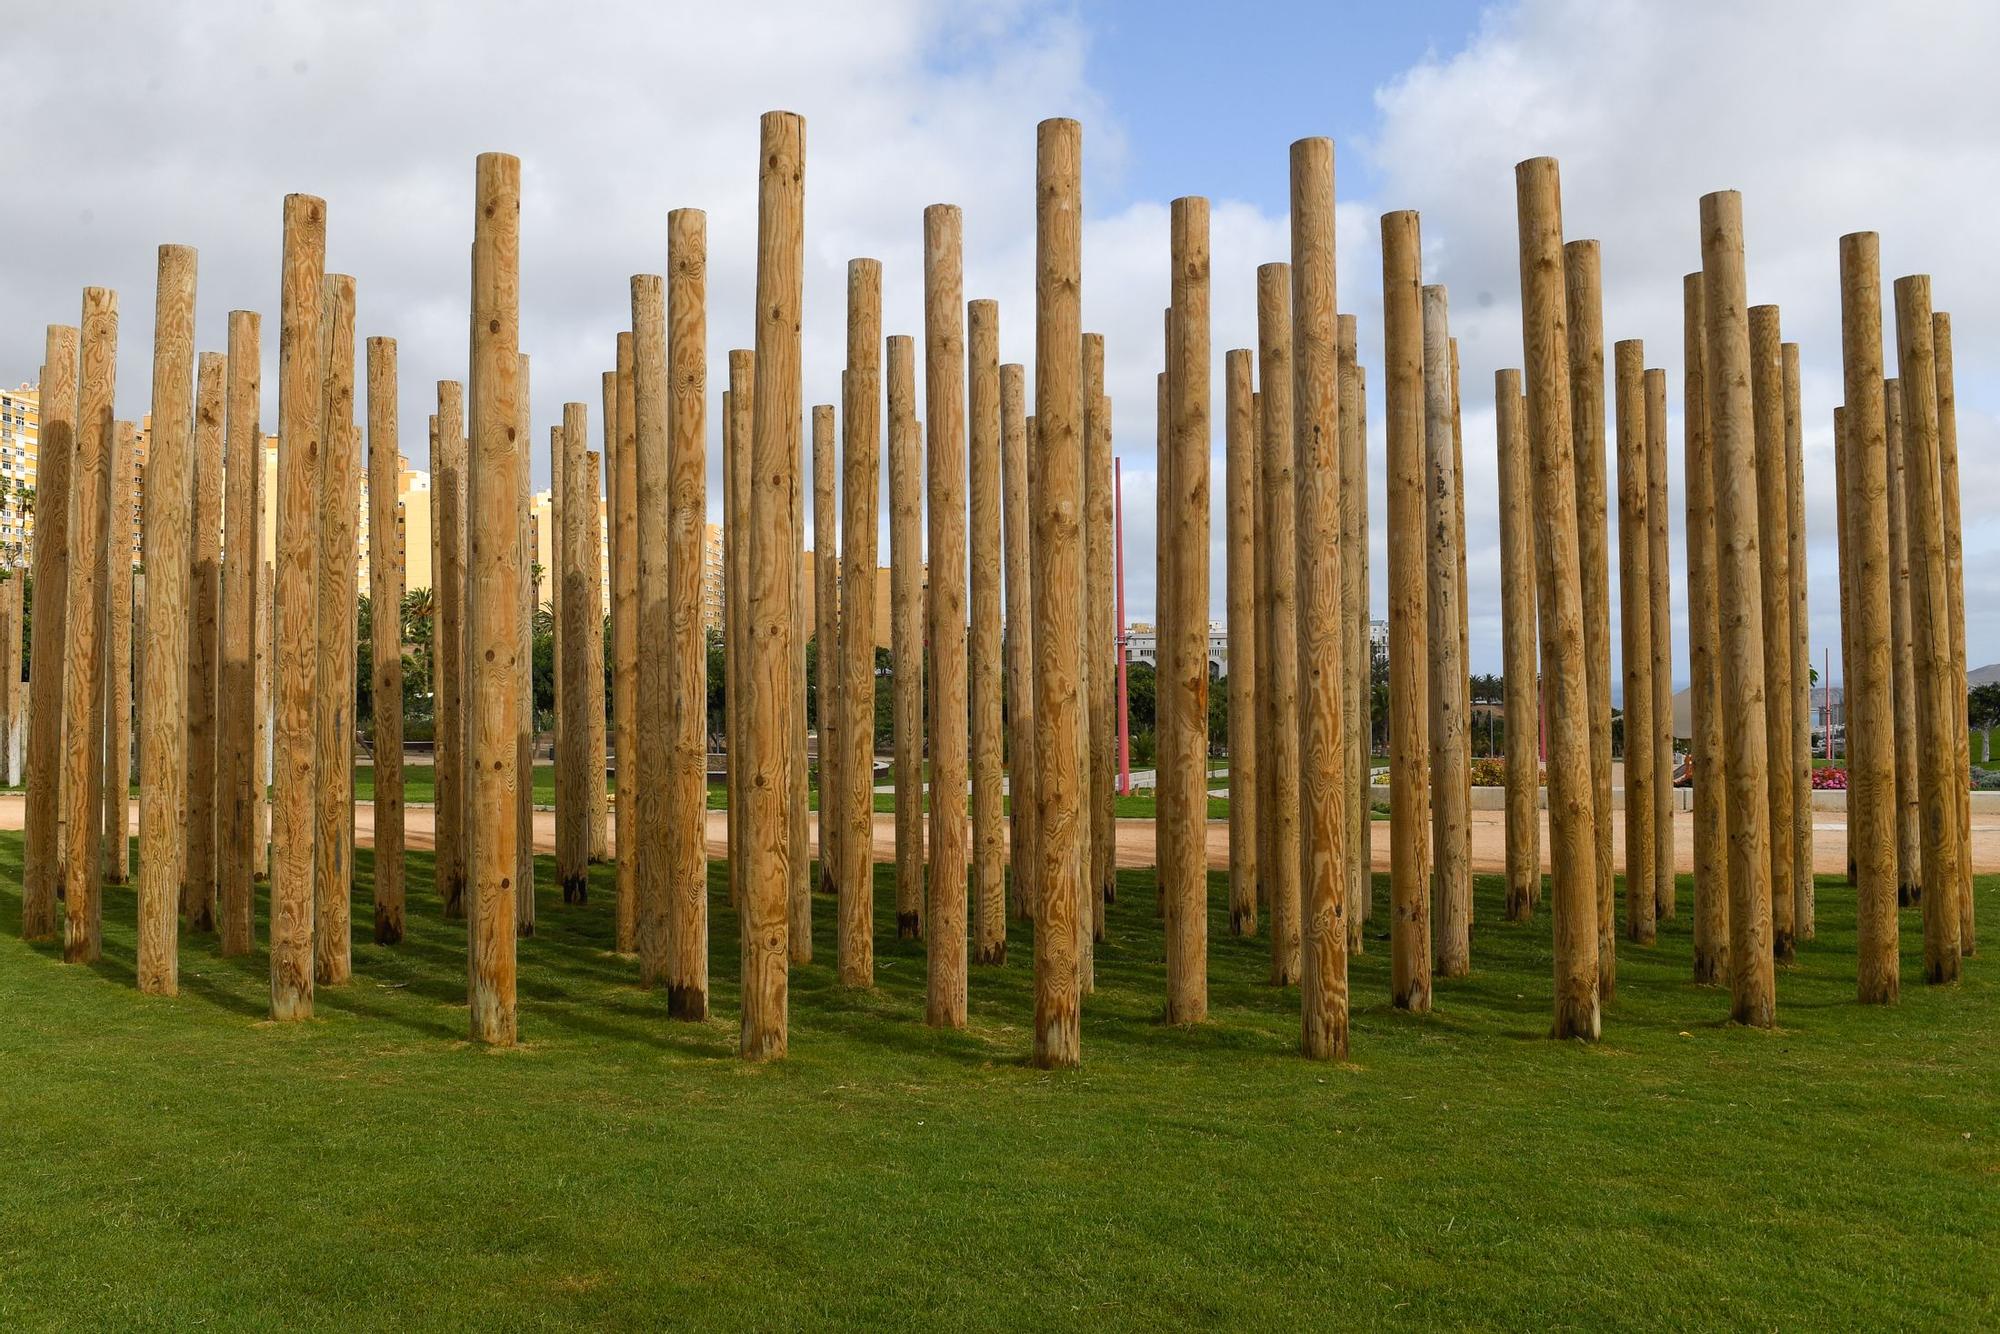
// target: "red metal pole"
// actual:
[[1124, 720]]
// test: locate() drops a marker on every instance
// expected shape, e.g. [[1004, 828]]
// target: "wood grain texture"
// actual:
[[906, 633], [1323, 797], [42, 850], [118, 768], [1056, 497], [1711, 849], [524, 730], [826, 720], [448, 522], [1280, 611], [861, 417], [1798, 756], [1243, 480], [983, 672], [686, 641], [83, 656], [643, 813], [1909, 837], [1635, 623], [198, 887], [1020, 641], [1774, 515], [1659, 709], [1451, 754], [493, 601], [1090, 909], [578, 570], [1740, 640], [625, 647], [1403, 356], [1517, 647], [1355, 685], [1954, 569], [333, 708], [1100, 666], [385, 596], [237, 795], [1545, 336]]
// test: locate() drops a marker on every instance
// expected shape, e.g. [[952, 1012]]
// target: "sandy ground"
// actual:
[[1135, 837]]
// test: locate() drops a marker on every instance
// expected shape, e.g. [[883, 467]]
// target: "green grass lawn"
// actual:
[[174, 1162]]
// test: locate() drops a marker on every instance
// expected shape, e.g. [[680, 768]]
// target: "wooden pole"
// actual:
[[737, 408], [333, 738], [1930, 609], [983, 504], [263, 655], [595, 563], [1464, 695], [83, 652], [1243, 486], [198, 888], [1867, 680], [686, 643], [1799, 650], [1323, 764], [774, 450], [906, 633], [1774, 512], [1020, 642], [1090, 909], [1584, 292], [1517, 635], [237, 794], [826, 632], [117, 804], [385, 599], [625, 602], [1843, 472], [1164, 701], [861, 414], [798, 884], [573, 757], [1909, 838], [1954, 569], [1661, 707], [524, 730], [1740, 641], [1451, 755], [1057, 468], [1635, 620], [1099, 649], [1404, 349], [1183, 768], [944, 419], [493, 592], [1559, 579], [643, 812], [42, 853], [1354, 686], [1364, 669], [1705, 749], [448, 483]]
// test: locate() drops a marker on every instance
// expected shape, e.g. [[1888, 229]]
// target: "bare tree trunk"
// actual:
[[385, 600], [861, 409], [1635, 620]]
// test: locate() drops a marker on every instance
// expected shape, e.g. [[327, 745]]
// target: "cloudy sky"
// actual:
[[142, 123]]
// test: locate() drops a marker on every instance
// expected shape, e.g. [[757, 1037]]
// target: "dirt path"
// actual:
[[1135, 837]]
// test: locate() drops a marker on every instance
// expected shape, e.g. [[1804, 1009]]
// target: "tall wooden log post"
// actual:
[[1954, 569], [1774, 514], [1559, 593], [1163, 554], [1355, 685], [1183, 782], [1584, 292], [578, 567], [1409, 688], [1930, 609], [861, 418], [1909, 838], [1323, 795], [1280, 610], [1090, 912], [1057, 498], [524, 729], [1451, 754], [642, 809], [1843, 475], [826, 632], [989, 889], [1661, 710], [295, 608], [1868, 678], [1739, 601], [1243, 485], [1260, 611], [1364, 669], [798, 885], [1100, 646], [385, 597], [1517, 642], [265, 658], [774, 747], [625, 650], [737, 409], [1799, 651], [493, 593], [1464, 615], [117, 803], [906, 632], [237, 795], [595, 808], [686, 643], [448, 480], [333, 735], [1020, 642], [1635, 621], [1705, 750], [11, 696], [204, 650], [42, 765], [944, 420], [83, 653]]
